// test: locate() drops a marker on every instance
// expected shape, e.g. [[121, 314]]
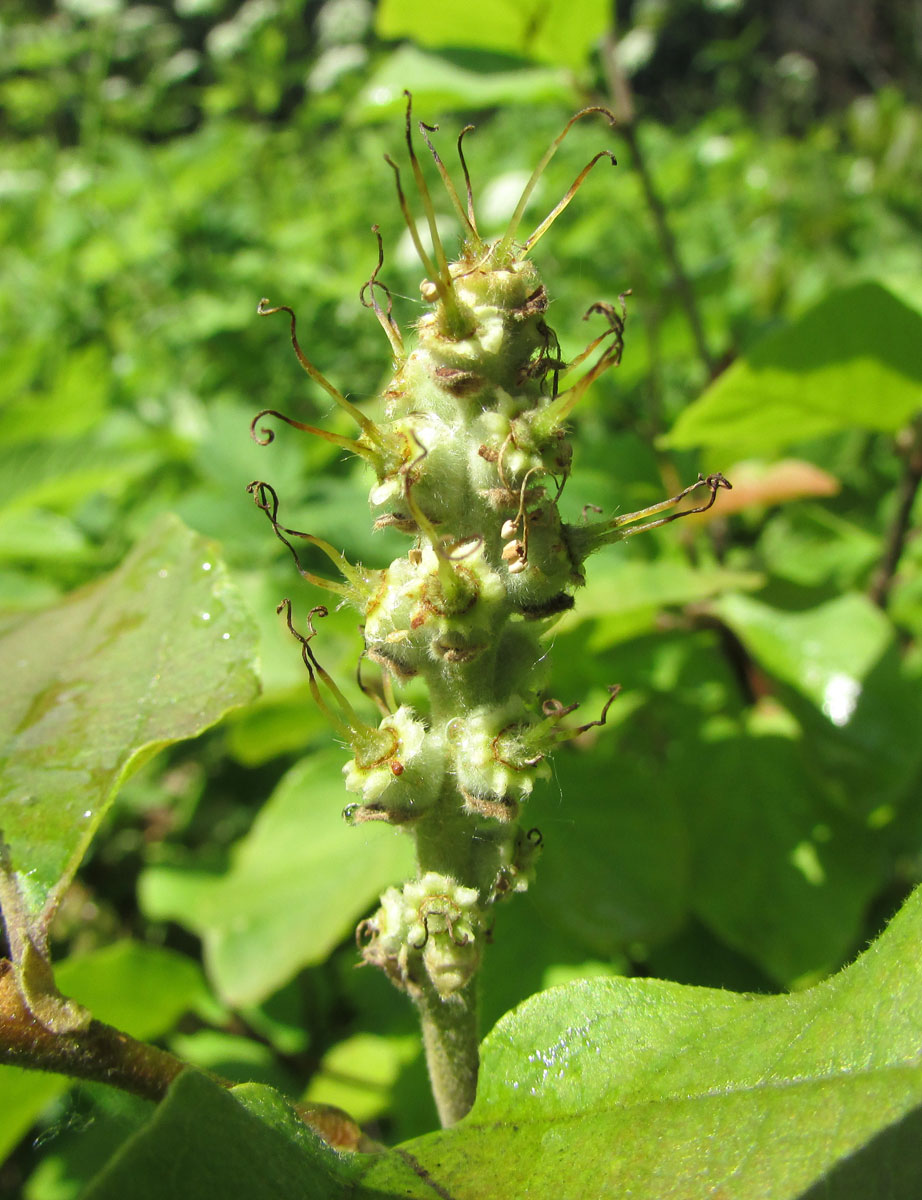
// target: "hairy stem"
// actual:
[[449, 1030]]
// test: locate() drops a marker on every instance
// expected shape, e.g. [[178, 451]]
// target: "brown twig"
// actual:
[[910, 445], [106, 1055]]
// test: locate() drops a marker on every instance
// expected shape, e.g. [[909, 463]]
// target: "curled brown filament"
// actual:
[[376, 698], [444, 276], [266, 499], [467, 180], [613, 692], [464, 217], [562, 405], [508, 237], [573, 189], [428, 264], [367, 426], [386, 321], [265, 435], [346, 722]]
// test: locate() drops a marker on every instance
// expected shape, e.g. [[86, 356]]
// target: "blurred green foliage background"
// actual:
[[751, 815]]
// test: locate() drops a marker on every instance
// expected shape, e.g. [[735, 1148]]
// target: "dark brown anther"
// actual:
[[459, 383]]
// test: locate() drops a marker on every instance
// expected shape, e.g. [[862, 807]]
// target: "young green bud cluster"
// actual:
[[470, 461]]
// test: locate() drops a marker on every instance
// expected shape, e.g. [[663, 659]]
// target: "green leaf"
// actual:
[[616, 1087], [24, 1096], [762, 826], [358, 1075], [825, 652], [157, 651], [299, 881], [614, 863], [864, 705], [438, 84], [557, 31], [852, 361], [626, 594], [203, 1142], [73, 404]]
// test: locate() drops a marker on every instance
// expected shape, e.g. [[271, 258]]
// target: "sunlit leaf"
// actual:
[[852, 361], [640, 1087], [556, 31]]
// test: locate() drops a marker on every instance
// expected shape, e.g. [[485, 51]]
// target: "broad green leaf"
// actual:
[[864, 705], [614, 863], [555, 31], [62, 474], [440, 85], [643, 1088], [777, 871], [851, 362], [44, 537], [203, 1142], [24, 1096], [825, 652], [358, 1074], [73, 404], [298, 883], [140, 989], [157, 651]]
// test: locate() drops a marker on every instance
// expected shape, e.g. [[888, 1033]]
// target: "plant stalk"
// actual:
[[450, 1040], [899, 529], [104, 1054], [620, 91]]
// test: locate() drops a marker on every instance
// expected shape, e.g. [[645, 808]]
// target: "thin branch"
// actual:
[[106, 1055], [620, 91], [898, 532]]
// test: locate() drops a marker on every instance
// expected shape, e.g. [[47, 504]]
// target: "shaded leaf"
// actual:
[[299, 881], [155, 652], [204, 1142], [778, 873], [438, 84]]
